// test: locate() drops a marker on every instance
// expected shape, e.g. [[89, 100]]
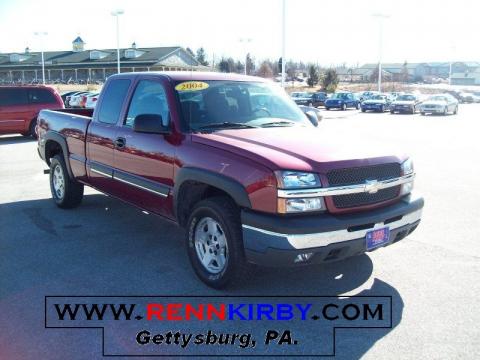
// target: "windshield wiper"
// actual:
[[278, 123], [225, 125]]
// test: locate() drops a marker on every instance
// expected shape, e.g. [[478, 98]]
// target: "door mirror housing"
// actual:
[[150, 124], [312, 116]]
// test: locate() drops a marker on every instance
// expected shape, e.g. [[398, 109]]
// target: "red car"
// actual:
[[20, 105], [234, 161]]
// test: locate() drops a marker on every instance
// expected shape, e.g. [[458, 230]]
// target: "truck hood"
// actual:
[[300, 148]]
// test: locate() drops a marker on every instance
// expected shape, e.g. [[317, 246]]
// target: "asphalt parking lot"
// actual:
[[107, 247]]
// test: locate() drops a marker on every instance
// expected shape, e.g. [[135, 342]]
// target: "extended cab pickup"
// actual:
[[236, 163]]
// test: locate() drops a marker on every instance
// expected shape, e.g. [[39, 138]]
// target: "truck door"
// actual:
[[102, 134], [144, 162]]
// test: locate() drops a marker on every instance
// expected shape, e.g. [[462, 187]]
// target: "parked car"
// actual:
[[319, 98], [466, 98], [66, 95], [246, 183], [75, 99], [367, 95], [439, 104], [379, 103], [89, 101], [20, 105], [342, 100], [303, 98], [406, 103]]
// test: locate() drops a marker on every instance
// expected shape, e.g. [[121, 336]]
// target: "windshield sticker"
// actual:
[[191, 86]]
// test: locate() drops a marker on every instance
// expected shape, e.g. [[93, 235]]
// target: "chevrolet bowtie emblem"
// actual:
[[371, 186]]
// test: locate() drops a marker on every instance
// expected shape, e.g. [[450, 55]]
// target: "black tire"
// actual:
[[327, 108], [72, 194], [357, 106], [455, 112], [392, 112], [363, 110], [422, 113], [344, 107], [225, 212], [31, 129], [382, 109]]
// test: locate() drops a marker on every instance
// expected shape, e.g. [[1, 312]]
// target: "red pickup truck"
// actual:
[[234, 161]]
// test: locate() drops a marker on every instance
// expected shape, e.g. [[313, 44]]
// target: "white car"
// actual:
[[439, 104], [91, 100], [76, 99]]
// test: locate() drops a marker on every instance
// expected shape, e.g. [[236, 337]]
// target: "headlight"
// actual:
[[407, 169], [294, 179]]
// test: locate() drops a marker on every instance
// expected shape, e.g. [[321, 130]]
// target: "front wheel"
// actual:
[[358, 106], [327, 108], [215, 243], [344, 107], [66, 192]]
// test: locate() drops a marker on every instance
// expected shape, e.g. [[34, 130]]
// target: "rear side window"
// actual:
[[41, 96], [113, 100], [13, 97]]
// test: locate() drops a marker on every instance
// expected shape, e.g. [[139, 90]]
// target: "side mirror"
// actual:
[[313, 117], [150, 123]]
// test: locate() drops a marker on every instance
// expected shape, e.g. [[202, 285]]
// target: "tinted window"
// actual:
[[41, 96], [149, 98], [112, 101], [13, 97]]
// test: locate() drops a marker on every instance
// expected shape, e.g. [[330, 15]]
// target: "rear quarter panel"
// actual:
[[72, 126]]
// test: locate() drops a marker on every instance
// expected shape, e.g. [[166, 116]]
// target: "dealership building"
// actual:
[[80, 65]]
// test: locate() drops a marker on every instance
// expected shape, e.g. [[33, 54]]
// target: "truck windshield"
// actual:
[[236, 105]]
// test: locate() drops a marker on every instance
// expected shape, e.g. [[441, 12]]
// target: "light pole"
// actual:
[[283, 41], [246, 41], [117, 13], [380, 18], [41, 34]]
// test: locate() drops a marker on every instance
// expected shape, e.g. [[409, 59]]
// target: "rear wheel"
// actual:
[[66, 192], [215, 243]]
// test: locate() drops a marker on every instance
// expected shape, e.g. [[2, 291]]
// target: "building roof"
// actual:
[[154, 55], [78, 40]]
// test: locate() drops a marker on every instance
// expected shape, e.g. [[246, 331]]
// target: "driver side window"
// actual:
[[149, 98]]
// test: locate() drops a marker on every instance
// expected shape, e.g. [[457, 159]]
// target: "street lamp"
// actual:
[[246, 41], [380, 18], [283, 41], [117, 13], [41, 34]]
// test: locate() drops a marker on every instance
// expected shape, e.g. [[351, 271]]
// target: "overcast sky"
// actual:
[[327, 32]]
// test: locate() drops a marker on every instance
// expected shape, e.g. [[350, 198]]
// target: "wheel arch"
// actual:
[[194, 184], [56, 144]]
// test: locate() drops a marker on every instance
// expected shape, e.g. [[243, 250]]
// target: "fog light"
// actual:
[[406, 188], [295, 205], [303, 257]]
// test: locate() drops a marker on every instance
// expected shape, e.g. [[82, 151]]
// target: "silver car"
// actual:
[[439, 104]]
